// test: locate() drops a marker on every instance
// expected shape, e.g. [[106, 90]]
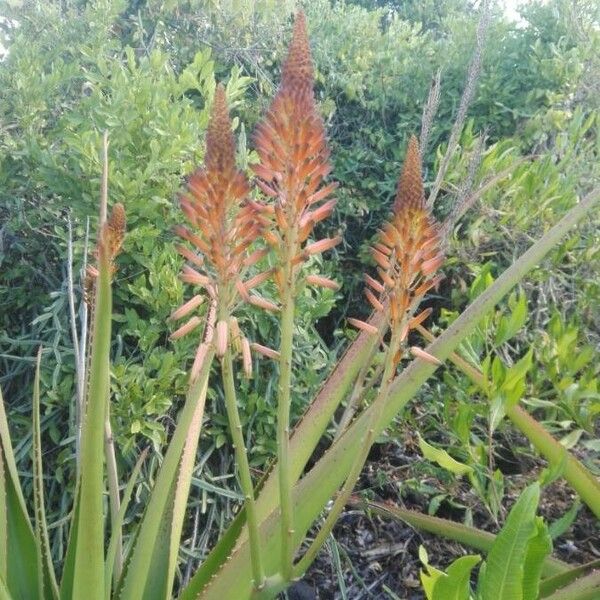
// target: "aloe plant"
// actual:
[[257, 556]]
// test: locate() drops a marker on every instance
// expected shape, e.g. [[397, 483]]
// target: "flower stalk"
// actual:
[[293, 152]]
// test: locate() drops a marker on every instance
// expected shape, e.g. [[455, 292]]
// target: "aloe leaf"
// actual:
[[454, 584], [48, 587], [503, 577], [585, 588], [468, 536], [540, 546], [18, 550], [314, 490], [182, 488], [146, 572], [88, 542], [118, 524], [552, 584], [4, 593]]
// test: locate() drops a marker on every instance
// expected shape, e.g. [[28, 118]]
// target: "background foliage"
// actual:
[[145, 71]]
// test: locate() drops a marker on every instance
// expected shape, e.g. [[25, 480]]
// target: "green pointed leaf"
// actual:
[[454, 584], [48, 587], [88, 571], [560, 580], [560, 526], [442, 458], [111, 553], [503, 578], [539, 547], [146, 572], [18, 550]]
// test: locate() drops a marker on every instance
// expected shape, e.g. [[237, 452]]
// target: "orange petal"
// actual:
[[187, 308], [375, 303], [419, 353], [221, 338], [198, 360], [363, 326], [322, 245], [322, 282], [262, 303], [268, 352], [184, 329]]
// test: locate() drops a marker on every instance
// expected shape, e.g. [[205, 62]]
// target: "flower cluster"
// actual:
[[224, 227], [407, 254], [294, 161]]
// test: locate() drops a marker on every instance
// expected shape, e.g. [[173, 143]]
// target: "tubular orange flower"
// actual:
[[294, 157], [223, 226], [407, 251]]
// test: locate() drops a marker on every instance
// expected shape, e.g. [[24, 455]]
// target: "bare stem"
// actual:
[[283, 422], [244, 468]]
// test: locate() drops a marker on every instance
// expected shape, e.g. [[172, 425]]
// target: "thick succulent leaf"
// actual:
[[87, 542], [146, 572], [468, 536], [18, 550], [118, 524], [552, 584], [47, 581], [585, 588], [503, 577], [313, 491]]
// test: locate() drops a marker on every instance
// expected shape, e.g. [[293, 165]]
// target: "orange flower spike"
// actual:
[[293, 152]]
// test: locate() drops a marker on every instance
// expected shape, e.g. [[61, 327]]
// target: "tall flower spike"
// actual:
[[223, 223], [294, 158], [407, 252]]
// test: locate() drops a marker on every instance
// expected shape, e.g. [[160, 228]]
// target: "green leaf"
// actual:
[[147, 571], [442, 458], [18, 550], [560, 580], [510, 325], [454, 585], [503, 577], [118, 524], [86, 543], [539, 547], [560, 526], [48, 587]]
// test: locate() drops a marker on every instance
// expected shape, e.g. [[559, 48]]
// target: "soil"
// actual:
[[378, 558]]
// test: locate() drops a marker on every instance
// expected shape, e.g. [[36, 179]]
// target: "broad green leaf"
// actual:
[[454, 584], [430, 575], [18, 550], [442, 458], [146, 571], [48, 587], [510, 325], [503, 578], [539, 547]]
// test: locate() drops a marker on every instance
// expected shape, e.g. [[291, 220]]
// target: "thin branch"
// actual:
[[467, 95], [430, 110]]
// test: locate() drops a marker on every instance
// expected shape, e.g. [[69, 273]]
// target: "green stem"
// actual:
[[283, 423], [244, 468], [112, 478]]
